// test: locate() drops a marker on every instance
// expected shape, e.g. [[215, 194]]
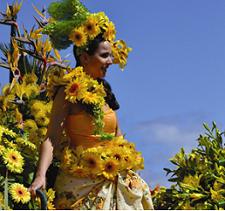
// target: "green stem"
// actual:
[[6, 191]]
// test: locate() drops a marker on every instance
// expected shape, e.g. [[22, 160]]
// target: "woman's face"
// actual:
[[96, 65]]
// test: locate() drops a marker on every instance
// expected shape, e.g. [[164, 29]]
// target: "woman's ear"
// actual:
[[84, 58]]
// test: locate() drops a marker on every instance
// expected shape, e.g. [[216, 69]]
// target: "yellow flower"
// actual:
[[91, 27], [120, 53], [2, 149], [13, 160], [78, 36], [111, 167], [30, 126], [92, 162], [42, 132], [74, 73], [42, 119], [90, 98], [36, 106], [6, 90], [102, 18], [19, 193], [110, 31], [50, 197], [30, 78], [75, 90], [67, 157], [4, 130], [26, 143], [31, 90]]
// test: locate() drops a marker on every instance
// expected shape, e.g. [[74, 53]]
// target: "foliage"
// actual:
[[199, 177], [24, 112]]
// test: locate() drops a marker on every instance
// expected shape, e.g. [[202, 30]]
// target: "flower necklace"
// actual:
[[80, 87]]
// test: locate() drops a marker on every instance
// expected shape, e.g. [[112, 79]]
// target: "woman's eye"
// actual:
[[104, 55]]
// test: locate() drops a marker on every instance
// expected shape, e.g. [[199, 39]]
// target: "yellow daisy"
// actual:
[[19, 193], [91, 27], [111, 167], [13, 160], [75, 90], [78, 36], [110, 31]]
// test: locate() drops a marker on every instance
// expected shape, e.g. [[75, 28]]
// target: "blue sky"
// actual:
[[174, 80]]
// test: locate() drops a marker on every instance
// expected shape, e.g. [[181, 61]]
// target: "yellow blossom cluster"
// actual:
[[120, 52], [81, 87], [106, 159], [98, 23]]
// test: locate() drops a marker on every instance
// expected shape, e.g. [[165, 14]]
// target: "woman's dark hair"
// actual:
[[91, 48]]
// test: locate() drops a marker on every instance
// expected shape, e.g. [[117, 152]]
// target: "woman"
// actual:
[[96, 170]]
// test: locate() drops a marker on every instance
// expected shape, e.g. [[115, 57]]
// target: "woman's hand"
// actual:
[[39, 182]]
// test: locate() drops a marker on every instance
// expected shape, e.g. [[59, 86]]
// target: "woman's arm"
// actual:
[[59, 113], [118, 131]]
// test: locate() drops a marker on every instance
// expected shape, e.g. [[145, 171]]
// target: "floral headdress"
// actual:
[[71, 22]]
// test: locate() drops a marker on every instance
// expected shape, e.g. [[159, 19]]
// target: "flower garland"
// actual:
[[106, 159], [80, 87]]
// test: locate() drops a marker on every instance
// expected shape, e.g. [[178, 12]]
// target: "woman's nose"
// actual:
[[109, 60]]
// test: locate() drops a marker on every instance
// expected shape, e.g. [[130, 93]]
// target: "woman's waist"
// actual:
[[86, 140], [102, 158]]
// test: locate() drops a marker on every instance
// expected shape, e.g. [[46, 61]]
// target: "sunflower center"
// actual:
[[14, 157], [78, 37], [73, 88], [89, 27], [20, 192], [109, 167], [91, 162]]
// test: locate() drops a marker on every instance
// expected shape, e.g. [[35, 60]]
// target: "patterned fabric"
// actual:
[[127, 191]]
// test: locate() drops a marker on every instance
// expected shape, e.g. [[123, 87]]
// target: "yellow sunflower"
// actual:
[[78, 36], [19, 193], [102, 18], [30, 125], [91, 27], [90, 98], [42, 132], [36, 106], [111, 167], [92, 162], [13, 160], [75, 90], [110, 31]]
